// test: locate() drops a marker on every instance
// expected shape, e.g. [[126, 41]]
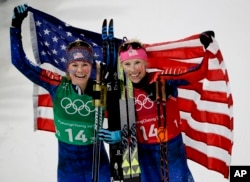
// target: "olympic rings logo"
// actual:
[[77, 106], [142, 101]]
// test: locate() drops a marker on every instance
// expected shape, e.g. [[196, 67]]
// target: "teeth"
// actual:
[[80, 76], [134, 75]]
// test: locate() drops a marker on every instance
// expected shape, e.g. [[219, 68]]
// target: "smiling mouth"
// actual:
[[80, 76], [134, 75]]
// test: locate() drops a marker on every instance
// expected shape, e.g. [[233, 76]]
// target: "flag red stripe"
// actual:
[[44, 100], [165, 63], [216, 75], [230, 100], [177, 53], [51, 77], [45, 124], [209, 162]]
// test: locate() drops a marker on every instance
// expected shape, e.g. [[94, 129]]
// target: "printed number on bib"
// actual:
[[79, 136], [152, 132]]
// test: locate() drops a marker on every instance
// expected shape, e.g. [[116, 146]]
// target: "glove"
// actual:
[[206, 38], [109, 137], [19, 13], [171, 89], [150, 89], [172, 86]]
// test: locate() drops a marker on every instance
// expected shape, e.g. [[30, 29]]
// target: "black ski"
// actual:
[[131, 169], [113, 96]]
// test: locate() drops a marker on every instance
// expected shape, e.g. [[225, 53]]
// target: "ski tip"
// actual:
[[111, 21], [104, 21]]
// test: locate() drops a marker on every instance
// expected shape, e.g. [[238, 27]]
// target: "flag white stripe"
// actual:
[[215, 64], [213, 46], [45, 112], [210, 151], [42, 91], [215, 86]]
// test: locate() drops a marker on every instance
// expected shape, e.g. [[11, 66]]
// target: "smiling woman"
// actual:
[[134, 60], [72, 104], [79, 64]]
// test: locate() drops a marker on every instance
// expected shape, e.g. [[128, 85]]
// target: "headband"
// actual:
[[131, 53]]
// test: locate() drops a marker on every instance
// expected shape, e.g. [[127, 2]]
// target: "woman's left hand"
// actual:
[[109, 137]]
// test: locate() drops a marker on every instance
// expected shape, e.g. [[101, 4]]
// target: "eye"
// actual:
[[127, 63], [85, 64], [138, 62]]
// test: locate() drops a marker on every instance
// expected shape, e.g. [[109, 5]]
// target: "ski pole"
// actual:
[[99, 101], [162, 124], [165, 137]]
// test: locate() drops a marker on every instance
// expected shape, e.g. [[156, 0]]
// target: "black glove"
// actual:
[[19, 13], [171, 89], [150, 89], [172, 86], [206, 38]]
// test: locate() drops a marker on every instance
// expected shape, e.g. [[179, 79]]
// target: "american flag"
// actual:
[[205, 105]]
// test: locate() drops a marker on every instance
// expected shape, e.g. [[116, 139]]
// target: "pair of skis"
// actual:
[[113, 96], [107, 94], [131, 168], [124, 164]]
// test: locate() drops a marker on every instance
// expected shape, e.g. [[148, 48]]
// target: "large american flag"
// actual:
[[205, 105]]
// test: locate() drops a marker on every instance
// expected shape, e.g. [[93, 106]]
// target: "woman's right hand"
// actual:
[[19, 13]]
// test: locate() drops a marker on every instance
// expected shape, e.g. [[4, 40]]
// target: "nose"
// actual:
[[132, 68], [79, 68]]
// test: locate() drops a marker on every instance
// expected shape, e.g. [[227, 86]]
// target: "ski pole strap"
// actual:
[[99, 90]]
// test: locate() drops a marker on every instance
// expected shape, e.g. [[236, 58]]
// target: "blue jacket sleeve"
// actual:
[[32, 71]]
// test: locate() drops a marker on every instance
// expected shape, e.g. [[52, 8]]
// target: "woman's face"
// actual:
[[135, 69], [79, 72]]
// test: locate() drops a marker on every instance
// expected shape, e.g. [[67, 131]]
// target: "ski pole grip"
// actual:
[[157, 89], [99, 90], [163, 90]]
